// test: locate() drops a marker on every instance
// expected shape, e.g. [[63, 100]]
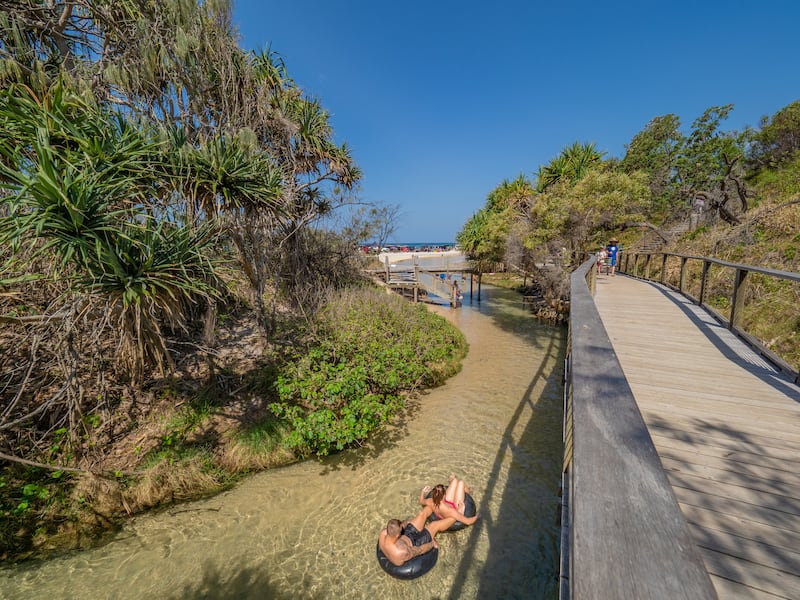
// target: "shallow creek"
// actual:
[[309, 530]]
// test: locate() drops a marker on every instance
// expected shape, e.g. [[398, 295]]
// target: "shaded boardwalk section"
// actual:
[[726, 426]]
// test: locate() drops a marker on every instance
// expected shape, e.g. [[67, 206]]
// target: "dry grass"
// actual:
[[242, 456], [169, 481], [768, 236]]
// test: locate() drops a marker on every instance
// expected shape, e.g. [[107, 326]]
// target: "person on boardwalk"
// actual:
[[402, 541], [447, 502], [612, 249], [601, 260]]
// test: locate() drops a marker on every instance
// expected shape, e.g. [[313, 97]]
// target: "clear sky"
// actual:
[[441, 100]]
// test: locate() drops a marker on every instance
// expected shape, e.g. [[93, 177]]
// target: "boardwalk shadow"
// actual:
[[732, 347], [523, 562], [505, 309]]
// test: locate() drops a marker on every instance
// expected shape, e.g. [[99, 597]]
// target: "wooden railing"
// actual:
[[692, 278], [623, 534]]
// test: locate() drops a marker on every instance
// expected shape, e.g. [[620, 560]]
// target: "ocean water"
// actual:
[[414, 246]]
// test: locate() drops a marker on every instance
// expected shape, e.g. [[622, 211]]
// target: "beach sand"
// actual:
[[452, 256]]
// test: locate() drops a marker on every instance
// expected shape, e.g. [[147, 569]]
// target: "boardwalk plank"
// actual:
[[697, 431], [720, 422], [781, 477], [764, 515], [726, 426], [730, 457], [750, 530], [731, 544], [747, 493], [780, 583], [737, 591], [731, 477]]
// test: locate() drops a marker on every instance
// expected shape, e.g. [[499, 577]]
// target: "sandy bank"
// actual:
[[395, 257]]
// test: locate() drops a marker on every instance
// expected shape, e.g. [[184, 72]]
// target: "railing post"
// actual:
[[706, 267], [682, 281], [647, 266], [737, 299], [663, 268]]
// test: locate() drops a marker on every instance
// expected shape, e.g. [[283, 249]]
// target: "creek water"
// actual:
[[309, 530]]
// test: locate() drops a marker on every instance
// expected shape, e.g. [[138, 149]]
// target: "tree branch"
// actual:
[[649, 226], [33, 463]]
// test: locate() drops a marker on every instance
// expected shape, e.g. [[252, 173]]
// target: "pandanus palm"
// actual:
[[569, 166], [79, 183], [316, 169], [240, 188]]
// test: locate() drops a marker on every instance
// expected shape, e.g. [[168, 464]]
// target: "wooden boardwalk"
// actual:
[[726, 426]]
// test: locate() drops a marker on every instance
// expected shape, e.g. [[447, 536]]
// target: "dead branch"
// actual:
[[766, 213], [33, 463], [649, 226]]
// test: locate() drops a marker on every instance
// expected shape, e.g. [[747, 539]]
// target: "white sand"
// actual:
[[393, 257]]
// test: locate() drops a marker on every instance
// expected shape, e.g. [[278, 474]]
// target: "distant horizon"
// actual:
[[453, 243]]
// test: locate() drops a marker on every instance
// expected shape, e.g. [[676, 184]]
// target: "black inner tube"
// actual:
[[469, 511], [411, 569]]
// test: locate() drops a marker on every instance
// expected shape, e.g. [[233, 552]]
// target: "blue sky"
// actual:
[[442, 100]]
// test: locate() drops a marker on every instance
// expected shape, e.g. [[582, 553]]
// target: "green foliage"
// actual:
[[173, 452], [708, 151], [483, 237], [188, 419], [778, 140], [371, 349], [76, 177], [655, 151], [26, 498], [603, 200], [570, 166], [783, 180], [265, 436], [696, 233], [224, 174]]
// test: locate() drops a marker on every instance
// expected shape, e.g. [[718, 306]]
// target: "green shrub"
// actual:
[[370, 351], [29, 498], [699, 232]]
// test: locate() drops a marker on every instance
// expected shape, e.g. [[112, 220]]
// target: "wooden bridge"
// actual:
[[682, 451], [413, 274]]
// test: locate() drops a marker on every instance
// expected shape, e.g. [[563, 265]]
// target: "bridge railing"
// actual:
[[623, 534], [735, 294]]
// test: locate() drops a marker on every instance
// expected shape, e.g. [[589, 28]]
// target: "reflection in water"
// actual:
[[309, 530]]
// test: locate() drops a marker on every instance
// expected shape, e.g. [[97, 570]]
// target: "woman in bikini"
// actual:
[[447, 502]]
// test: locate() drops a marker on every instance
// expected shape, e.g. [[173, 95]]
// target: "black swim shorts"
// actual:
[[417, 537]]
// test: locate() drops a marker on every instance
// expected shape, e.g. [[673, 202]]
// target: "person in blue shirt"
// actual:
[[612, 250]]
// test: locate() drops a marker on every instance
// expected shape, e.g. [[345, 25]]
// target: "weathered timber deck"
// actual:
[[726, 426]]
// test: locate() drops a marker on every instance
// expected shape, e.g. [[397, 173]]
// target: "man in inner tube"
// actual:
[[401, 542]]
